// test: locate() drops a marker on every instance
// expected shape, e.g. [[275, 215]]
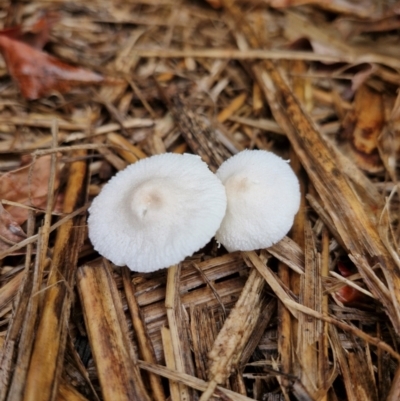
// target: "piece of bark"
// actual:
[[113, 354], [236, 331], [308, 329]]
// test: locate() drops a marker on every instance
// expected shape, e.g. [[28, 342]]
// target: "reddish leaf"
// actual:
[[38, 74], [10, 231], [36, 35], [348, 294], [343, 269], [27, 185]]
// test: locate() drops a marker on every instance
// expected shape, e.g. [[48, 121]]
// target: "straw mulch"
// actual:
[[315, 317]]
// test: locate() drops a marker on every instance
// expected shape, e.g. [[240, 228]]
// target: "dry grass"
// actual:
[[316, 84]]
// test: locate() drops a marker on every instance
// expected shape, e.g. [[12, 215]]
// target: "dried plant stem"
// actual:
[[251, 54], [394, 393], [285, 332], [210, 77], [25, 323], [236, 331], [343, 364], [308, 330], [351, 284], [33, 238], [198, 134], [32, 284], [145, 345], [324, 351], [295, 308], [357, 332], [352, 223], [108, 336], [174, 386], [126, 150], [176, 331], [191, 381], [68, 393], [289, 252], [8, 291], [48, 351]]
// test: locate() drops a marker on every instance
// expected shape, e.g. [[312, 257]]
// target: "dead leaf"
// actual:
[[39, 74], [36, 35], [27, 185], [10, 231], [361, 128]]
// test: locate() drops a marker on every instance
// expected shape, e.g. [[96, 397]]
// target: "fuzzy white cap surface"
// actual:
[[263, 197], [156, 212]]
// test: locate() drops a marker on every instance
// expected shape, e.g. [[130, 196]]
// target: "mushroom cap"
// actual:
[[263, 197], [156, 212]]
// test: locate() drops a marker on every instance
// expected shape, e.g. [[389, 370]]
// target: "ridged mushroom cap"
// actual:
[[156, 212], [263, 197]]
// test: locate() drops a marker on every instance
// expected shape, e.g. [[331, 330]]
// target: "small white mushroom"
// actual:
[[156, 212], [263, 197]]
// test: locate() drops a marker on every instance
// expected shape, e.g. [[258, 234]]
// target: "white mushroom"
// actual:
[[156, 212], [263, 198]]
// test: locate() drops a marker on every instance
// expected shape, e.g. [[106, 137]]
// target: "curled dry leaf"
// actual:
[[28, 185], [10, 231], [361, 128]]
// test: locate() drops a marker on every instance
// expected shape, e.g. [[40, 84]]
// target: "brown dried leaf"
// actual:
[[27, 185], [36, 35], [39, 74], [361, 129]]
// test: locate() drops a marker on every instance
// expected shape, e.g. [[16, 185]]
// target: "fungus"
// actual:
[[263, 197], [156, 212]]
